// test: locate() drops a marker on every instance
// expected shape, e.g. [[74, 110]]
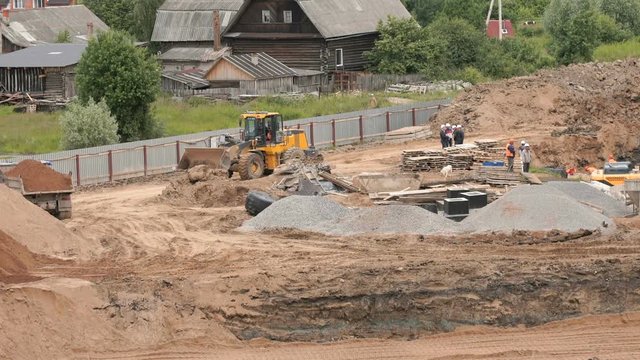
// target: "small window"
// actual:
[[339, 58], [266, 16], [38, 3], [288, 16], [18, 4]]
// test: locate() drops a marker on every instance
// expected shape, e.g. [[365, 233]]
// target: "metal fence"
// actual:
[[122, 161]]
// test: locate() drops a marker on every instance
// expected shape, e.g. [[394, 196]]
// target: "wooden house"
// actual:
[[6, 5], [45, 71], [322, 35], [31, 27]]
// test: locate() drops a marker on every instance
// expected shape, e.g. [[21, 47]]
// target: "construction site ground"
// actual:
[[158, 275], [169, 280]]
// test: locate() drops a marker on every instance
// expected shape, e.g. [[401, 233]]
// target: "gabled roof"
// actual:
[[191, 20], [201, 54], [264, 67], [47, 55], [28, 27], [344, 18]]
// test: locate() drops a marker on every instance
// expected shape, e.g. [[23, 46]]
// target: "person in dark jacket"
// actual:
[[443, 137], [458, 135]]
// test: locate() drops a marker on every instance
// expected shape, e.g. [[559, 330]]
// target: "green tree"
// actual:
[[118, 14], [400, 48], [88, 125], [458, 41], [63, 37], [127, 78], [624, 12], [144, 16], [573, 27]]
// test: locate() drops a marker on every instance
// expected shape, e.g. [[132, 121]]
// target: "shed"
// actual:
[[30, 27], [42, 71], [493, 29], [184, 82], [321, 35], [184, 58]]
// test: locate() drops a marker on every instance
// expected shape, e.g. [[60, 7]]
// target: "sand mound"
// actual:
[[537, 208], [36, 229], [15, 259], [38, 177], [577, 114]]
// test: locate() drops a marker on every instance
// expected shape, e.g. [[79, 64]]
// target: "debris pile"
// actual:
[[537, 208], [428, 87], [318, 214], [304, 178]]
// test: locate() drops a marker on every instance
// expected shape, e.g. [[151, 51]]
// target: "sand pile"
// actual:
[[203, 186], [578, 114], [38, 177], [321, 215], [15, 258], [592, 197], [537, 208], [36, 229]]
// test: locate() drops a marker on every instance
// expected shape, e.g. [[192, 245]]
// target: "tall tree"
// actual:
[[573, 26], [125, 77], [118, 14], [400, 48], [144, 16]]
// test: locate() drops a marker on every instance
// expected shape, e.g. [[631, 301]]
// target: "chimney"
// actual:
[[217, 29], [5, 13], [89, 30], [255, 59]]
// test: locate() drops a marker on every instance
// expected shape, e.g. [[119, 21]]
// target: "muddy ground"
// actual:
[[174, 279]]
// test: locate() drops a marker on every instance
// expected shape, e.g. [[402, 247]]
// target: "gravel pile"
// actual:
[[591, 196], [537, 208], [318, 214]]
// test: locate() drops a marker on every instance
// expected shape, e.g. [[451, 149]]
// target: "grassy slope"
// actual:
[[40, 133], [622, 50]]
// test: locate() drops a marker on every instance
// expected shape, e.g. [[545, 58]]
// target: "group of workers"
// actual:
[[451, 135], [525, 155]]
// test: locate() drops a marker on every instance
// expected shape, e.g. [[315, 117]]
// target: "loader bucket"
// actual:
[[217, 158]]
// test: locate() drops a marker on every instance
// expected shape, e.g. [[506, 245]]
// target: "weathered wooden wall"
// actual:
[[295, 53], [224, 71], [353, 50], [15, 80], [251, 19]]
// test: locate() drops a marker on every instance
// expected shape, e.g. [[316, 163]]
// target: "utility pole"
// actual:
[[500, 18], [489, 14]]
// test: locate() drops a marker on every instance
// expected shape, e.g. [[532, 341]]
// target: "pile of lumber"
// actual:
[[423, 160], [460, 161], [499, 176], [488, 150], [408, 134]]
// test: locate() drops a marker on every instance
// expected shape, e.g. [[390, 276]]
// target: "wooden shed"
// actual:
[[45, 71]]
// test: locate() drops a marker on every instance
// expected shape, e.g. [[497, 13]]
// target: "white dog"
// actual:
[[446, 171]]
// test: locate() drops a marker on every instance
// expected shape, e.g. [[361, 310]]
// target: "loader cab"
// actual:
[[263, 127]]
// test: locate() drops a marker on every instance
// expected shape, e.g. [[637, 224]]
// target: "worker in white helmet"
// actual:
[[449, 133]]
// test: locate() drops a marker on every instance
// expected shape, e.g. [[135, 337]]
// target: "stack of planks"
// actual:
[[408, 134], [422, 160], [488, 150], [498, 176]]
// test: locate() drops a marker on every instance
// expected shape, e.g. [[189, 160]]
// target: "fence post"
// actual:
[[333, 132], [313, 142], [144, 155], [413, 116], [361, 125], [388, 121], [298, 126], [178, 152], [110, 160], [77, 170]]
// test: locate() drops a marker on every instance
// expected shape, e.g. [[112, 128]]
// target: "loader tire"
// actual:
[[294, 153], [251, 166], [257, 201]]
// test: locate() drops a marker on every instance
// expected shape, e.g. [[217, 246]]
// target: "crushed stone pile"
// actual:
[[591, 196], [321, 215], [537, 208], [38, 177], [580, 113], [36, 229]]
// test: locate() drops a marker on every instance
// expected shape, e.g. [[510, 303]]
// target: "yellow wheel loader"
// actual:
[[264, 145]]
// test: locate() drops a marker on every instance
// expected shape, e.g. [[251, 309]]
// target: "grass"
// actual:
[[618, 51], [22, 133]]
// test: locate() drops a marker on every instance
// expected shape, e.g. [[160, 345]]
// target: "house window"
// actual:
[[38, 3], [288, 16], [18, 4], [266, 16], [339, 58]]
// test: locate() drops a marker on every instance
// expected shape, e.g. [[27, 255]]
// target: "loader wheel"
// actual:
[[257, 201], [291, 154], [251, 166]]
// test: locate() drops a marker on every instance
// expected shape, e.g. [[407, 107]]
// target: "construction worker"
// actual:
[[526, 158], [511, 154], [520, 150], [458, 135], [449, 132], [443, 136]]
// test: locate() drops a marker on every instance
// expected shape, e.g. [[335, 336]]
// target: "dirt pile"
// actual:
[[15, 259], [203, 186], [537, 208], [40, 232], [38, 177], [577, 114]]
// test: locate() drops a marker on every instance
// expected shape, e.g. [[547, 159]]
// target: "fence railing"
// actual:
[[142, 158]]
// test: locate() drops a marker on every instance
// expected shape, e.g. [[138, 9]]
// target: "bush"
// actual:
[[400, 48], [470, 74], [88, 125]]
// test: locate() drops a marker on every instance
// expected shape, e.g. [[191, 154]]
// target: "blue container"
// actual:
[[493, 163]]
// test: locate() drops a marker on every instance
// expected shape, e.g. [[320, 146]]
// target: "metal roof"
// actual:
[[259, 66], [47, 55], [30, 27], [203, 5], [182, 26], [202, 54], [343, 18], [193, 78], [338, 18]]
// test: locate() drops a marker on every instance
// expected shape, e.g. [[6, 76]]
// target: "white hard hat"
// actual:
[[442, 126], [523, 142], [459, 126], [526, 145], [448, 125]]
